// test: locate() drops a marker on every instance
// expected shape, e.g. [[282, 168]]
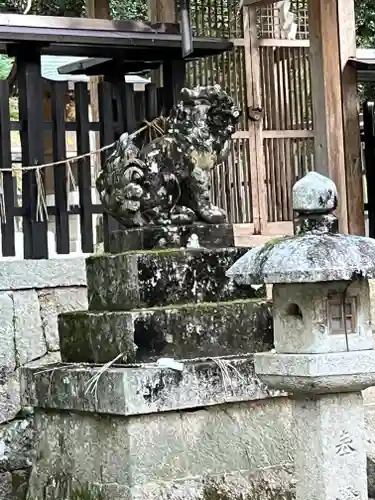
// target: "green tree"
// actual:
[[365, 21], [120, 9], [128, 9]]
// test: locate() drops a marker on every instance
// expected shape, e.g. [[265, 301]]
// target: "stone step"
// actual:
[[161, 277], [146, 432], [143, 388], [148, 238], [188, 331]]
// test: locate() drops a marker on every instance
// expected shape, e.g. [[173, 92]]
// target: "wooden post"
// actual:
[[352, 138], [253, 94], [326, 98], [30, 106], [161, 11], [97, 9]]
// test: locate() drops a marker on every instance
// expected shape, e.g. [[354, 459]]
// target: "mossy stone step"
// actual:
[[161, 277], [188, 331]]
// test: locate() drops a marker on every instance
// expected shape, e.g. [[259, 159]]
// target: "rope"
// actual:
[[41, 204], [74, 159]]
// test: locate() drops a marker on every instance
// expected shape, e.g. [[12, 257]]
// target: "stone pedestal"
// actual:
[[330, 459], [158, 237], [146, 428], [324, 347]]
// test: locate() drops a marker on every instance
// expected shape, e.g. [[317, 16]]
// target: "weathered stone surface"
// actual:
[[20, 484], [148, 238], [7, 341], [10, 399], [330, 453], [315, 193], [30, 342], [25, 274], [55, 301], [144, 388], [306, 259], [6, 490], [149, 456], [301, 316], [97, 337], [323, 373], [16, 445], [156, 278], [167, 181], [208, 329]]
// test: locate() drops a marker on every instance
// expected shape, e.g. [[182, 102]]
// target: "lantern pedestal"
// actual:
[[330, 459], [328, 415], [350, 371], [324, 347]]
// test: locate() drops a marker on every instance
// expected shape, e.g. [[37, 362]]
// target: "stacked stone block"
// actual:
[[140, 428], [32, 294], [173, 302]]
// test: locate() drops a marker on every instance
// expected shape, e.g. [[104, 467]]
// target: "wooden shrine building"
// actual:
[[110, 48], [335, 131]]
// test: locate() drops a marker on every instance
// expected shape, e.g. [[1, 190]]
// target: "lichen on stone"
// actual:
[[167, 182], [261, 489]]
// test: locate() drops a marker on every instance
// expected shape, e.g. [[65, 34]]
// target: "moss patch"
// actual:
[[262, 490]]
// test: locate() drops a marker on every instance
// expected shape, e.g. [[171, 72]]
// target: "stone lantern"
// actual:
[[324, 352]]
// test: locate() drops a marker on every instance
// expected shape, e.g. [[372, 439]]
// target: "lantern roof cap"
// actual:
[[316, 252]]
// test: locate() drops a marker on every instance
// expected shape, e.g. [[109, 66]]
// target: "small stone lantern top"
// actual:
[[314, 193], [316, 252]]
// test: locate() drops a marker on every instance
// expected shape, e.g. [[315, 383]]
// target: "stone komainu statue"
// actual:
[[168, 180]]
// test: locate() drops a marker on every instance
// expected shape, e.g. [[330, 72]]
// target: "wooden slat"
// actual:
[[258, 3], [129, 104], [58, 96], [253, 94], [174, 74], [369, 154], [238, 42], [151, 103], [140, 107], [244, 233], [84, 169], [7, 226], [107, 136], [280, 42], [30, 112]]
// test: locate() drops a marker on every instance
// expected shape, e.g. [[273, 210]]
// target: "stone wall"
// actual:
[[32, 294]]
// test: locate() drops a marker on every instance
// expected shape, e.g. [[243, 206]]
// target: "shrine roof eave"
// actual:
[[365, 68], [258, 3], [129, 40]]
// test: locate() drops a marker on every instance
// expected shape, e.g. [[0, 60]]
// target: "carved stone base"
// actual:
[[158, 237]]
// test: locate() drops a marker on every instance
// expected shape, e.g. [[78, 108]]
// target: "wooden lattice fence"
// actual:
[[269, 76]]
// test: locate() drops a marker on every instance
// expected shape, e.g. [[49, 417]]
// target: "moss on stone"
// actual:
[[205, 305], [86, 492], [64, 486], [261, 490]]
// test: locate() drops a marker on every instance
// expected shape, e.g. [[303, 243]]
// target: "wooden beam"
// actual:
[[326, 98], [254, 103], [258, 3], [98, 9], [281, 42], [351, 130], [162, 11]]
